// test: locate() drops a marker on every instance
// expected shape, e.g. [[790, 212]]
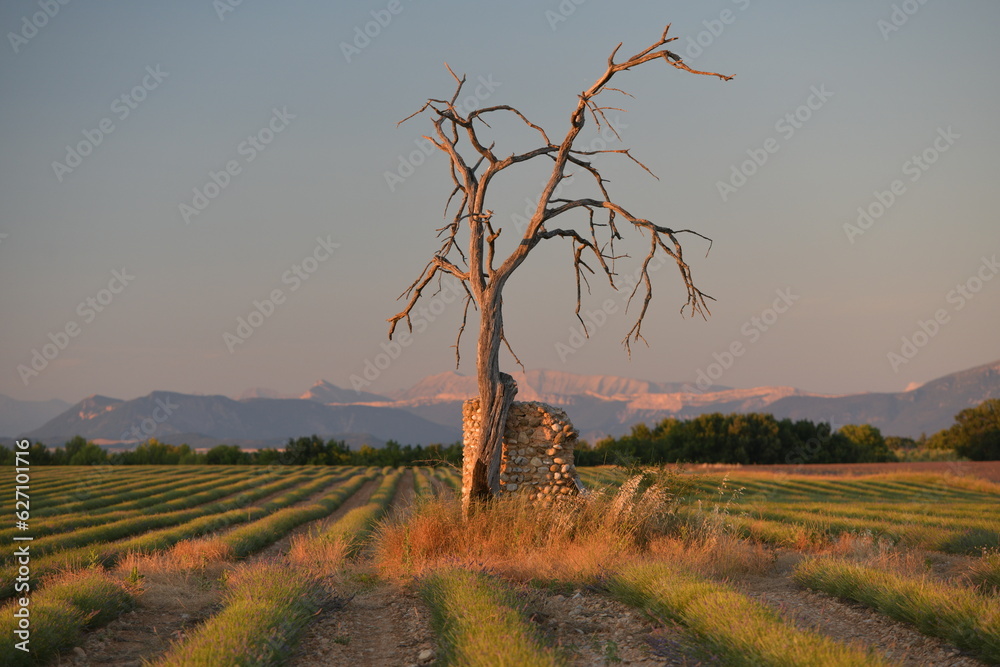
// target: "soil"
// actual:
[[171, 606], [848, 622], [174, 603], [592, 629], [377, 623], [381, 625]]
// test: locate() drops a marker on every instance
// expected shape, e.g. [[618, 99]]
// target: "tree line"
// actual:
[[710, 438], [740, 438], [763, 439], [311, 450]]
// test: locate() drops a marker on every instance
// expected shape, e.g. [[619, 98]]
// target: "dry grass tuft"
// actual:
[[179, 587], [320, 557], [721, 555], [858, 546], [574, 538], [868, 550], [198, 553], [985, 572]]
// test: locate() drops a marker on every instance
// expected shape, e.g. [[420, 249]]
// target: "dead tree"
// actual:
[[472, 168]]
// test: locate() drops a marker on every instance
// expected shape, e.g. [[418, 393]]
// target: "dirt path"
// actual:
[[440, 487], [171, 606], [382, 624], [594, 630], [406, 492], [849, 622]]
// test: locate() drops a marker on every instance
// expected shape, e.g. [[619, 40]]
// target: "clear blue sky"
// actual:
[[197, 86]]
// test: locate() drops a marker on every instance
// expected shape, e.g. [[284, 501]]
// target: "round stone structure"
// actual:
[[537, 455]]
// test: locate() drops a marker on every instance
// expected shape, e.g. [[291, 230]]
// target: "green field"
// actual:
[[341, 565]]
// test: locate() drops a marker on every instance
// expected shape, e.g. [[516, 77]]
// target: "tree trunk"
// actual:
[[496, 393]]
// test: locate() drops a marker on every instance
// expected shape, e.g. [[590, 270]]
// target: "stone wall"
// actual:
[[537, 458]]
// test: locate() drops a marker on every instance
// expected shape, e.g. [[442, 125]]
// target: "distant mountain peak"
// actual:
[[330, 394], [96, 405]]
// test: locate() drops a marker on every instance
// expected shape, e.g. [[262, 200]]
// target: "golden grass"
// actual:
[[199, 552], [985, 572], [481, 623], [721, 555], [576, 538], [738, 629], [266, 607], [957, 614], [179, 587], [68, 604], [321, 557]]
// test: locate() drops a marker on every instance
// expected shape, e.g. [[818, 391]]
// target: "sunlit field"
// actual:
[[341, 565]]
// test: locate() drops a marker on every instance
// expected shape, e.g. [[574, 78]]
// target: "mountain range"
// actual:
[[430, 411]]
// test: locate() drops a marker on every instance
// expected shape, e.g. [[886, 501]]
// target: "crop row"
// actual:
[[799, 529], [204, 519], [156, 516], [355, 526], [710, 610], [261, 594], [922, 530], [957, 614], [112, 490], [265, 608], [478, 621], [903, 488], [60, 612], [49, 480], [181, 492], [422, 485], [268, 604], [256, 535]]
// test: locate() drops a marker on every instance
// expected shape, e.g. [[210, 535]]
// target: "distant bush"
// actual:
[[976, 432]]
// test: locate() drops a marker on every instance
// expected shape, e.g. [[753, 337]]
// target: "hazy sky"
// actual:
[[116, 118]]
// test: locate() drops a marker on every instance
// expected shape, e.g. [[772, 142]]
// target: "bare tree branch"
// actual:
[[473, 163], [461, 329]]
